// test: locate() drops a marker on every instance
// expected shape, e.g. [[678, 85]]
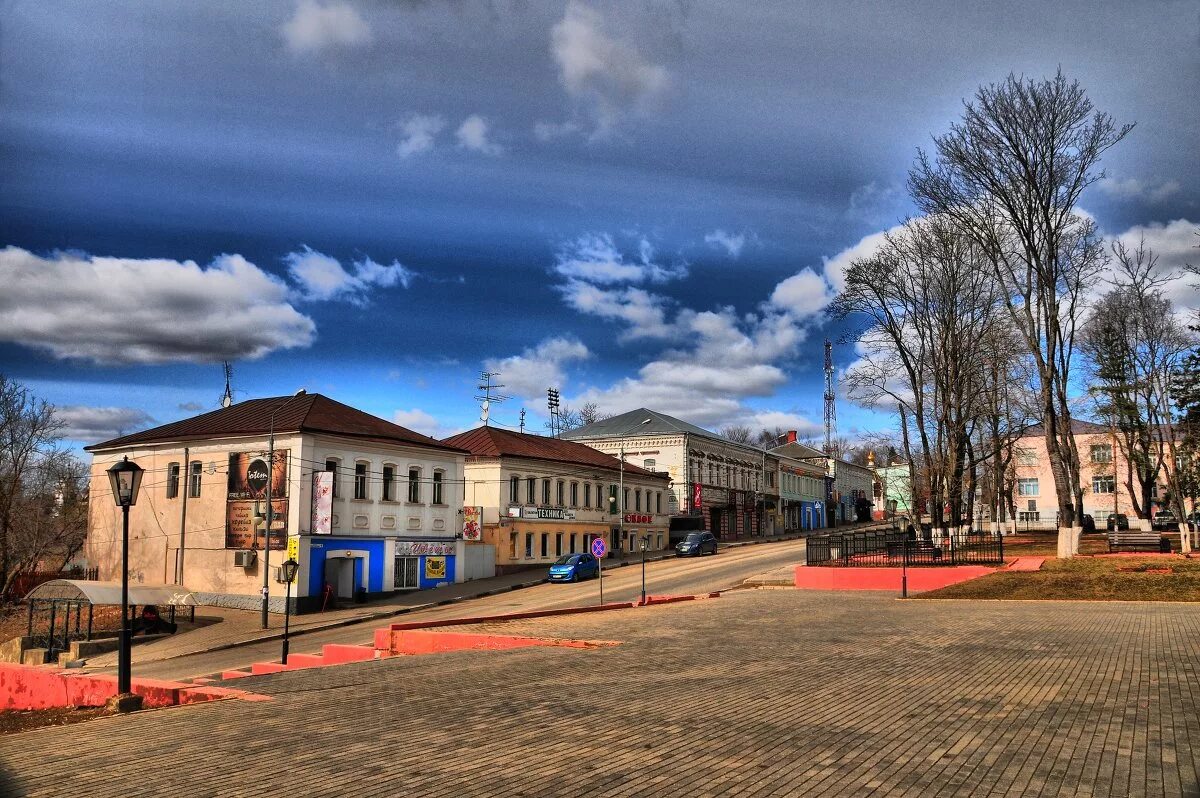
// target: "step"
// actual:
[[306, 661], [227, 675], [260, 668], [339, 653]]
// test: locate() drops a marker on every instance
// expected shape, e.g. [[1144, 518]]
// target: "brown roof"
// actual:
[[310, 412], [494, 442], [1079, 426]]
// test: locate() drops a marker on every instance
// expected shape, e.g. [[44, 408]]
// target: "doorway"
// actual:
[[407, 573], [340, 573]]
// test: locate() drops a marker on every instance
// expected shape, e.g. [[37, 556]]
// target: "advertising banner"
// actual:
[[239, 527], [322, 503], [248, 475], [435, 567], [472, 523], [697, 495]]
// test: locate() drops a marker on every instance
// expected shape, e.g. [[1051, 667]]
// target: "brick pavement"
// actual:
[[757, 693]]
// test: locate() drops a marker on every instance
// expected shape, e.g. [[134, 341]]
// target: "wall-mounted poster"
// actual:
[[435, 567], [322, 503], [248, 475], [472, 523], [239, 526]]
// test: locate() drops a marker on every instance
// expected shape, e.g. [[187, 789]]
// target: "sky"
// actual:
[[641, 203]]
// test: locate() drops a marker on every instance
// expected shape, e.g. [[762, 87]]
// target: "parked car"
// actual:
[[574, 567], [696, 544], [1117, 521], [1089, 525], [1164, 519]]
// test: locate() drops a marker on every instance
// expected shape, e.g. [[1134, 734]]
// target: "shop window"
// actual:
[[572, 542], [438, 483], [172, 480], [194, 472], [360, 480], [414, 485], [389, 483], [332, 467]]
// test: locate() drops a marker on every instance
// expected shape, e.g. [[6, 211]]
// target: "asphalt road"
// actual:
[[727, 569]]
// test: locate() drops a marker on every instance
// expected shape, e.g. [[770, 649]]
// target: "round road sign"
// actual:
[[599, 548]]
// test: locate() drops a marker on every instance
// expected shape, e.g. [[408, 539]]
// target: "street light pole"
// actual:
[[645, 542], [289, 573], [125, 478]]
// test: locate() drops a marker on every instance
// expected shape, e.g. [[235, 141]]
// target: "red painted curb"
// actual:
[[26, 687], [920, 580]]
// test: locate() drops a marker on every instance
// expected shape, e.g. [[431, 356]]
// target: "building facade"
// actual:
[[545, 497], [854, 492], [360, 503], [801, 484], [730, 489]]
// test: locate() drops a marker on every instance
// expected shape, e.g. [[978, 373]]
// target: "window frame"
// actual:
[[514, 489], [414, 485], [362, 481], [195, 479], [439, 487], [337, 466], [388, 483], [172, 480]]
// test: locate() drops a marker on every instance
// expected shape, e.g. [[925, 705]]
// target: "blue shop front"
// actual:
[[349, 565]]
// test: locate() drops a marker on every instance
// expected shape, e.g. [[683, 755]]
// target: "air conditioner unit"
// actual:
[[244, 558]]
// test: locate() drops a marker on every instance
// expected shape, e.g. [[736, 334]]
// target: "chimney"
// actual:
[[791, 436]]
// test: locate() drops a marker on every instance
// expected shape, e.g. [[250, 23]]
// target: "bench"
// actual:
[[1134, 538]]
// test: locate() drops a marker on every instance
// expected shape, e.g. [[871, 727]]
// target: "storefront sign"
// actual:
[[555, 513], [322, 503], [435, 567], [239, 525], [293, 551], [417, 548], [635, 518], [472, 523]]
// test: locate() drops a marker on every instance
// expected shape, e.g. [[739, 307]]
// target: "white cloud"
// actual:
[[1175, 244], [548, 131], [124, 310], [322, 278], [425, 423], [595, 258], [610, 79], [315, 27], [472, 135], [419, 132], [805, 294], [730, 242], [643, 313], [530, 373], [92, 424], [1132, 188]]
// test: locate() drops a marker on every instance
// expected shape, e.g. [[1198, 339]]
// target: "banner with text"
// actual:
[[322, 503]]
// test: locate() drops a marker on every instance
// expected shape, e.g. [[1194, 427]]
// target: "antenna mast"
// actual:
[[522, 421], [830, 405], [485, 397], [227, 397]]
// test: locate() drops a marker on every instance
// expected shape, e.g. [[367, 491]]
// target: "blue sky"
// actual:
[[642, 203]]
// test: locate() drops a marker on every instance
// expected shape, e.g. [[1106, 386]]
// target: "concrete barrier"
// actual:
[[30, 688]]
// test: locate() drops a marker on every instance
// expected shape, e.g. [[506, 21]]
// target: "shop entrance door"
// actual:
[[406, 573]]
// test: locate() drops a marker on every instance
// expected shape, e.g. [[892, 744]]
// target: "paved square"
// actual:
[[757, 693]]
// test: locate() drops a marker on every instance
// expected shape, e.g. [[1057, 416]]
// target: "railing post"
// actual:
[[1000, 536]]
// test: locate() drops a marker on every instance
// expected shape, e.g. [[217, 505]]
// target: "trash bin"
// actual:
[[1164, 545], [360, 595]]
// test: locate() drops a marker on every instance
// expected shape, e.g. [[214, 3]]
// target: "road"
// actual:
[[729, 568]]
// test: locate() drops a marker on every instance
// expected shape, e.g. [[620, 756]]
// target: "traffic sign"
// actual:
[[599, 548]]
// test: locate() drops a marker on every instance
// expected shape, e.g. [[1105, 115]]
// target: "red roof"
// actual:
[[494, 442], [311, 412]]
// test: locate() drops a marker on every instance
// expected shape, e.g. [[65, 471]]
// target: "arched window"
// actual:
[[438, 483], [414, 484]]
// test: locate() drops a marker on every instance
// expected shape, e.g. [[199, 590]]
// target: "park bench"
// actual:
[[1134, 539]]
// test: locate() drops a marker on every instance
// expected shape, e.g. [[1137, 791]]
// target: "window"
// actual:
[[658, 503], [648, 465], [625, 501], [546, 491], [360, 480], [545, 545], [389, 483], [558, 545], [587, 495], [529, 545], [332, 467], [514, 489], [1104, 484], [194, 471], [637, 500], [414, 485], [531, 490], [1032, 506], [437, 488], [172, 480], [1027, 486], [574, 494], [1102, 453], [562, 489]]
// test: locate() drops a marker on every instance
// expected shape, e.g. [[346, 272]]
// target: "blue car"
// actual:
[[574, 567]]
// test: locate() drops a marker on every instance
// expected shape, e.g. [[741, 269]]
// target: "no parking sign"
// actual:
[[599, 548]]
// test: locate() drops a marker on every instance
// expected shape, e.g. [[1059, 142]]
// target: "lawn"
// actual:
[[1134, 578]]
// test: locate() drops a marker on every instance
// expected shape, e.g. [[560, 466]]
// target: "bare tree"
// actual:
[[40, 484], [1011, 173], [737, 433]]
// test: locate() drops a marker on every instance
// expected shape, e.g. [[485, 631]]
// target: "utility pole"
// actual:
[[830, 425], [553, 403], [522, 421], [621, 500]]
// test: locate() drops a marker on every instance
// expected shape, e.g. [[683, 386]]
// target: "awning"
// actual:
[[101, 594]]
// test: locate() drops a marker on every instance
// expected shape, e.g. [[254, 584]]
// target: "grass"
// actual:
[[1088, 578]]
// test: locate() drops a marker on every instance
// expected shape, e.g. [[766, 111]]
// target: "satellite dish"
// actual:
[[226, 400]]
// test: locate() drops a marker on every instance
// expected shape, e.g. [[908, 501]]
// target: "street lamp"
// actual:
[[289, 573], [645, 545], [125, 478]]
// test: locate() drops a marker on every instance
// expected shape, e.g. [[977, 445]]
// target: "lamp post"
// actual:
[[645, 544], [266, 588], [289, 573], [125, 478]]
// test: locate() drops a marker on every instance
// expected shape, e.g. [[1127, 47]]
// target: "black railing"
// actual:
[[894, 548]]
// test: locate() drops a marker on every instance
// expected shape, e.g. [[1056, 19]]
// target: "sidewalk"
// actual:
[[241, 627]]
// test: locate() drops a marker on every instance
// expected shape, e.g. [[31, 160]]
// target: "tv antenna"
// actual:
[[553, 402], [522, 421], [227, 397], [485, 397]]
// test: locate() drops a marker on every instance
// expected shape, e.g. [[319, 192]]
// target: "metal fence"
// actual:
[[895, 547]]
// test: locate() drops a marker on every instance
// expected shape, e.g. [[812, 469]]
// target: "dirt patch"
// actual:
[[1089, 579], [14, 721]]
